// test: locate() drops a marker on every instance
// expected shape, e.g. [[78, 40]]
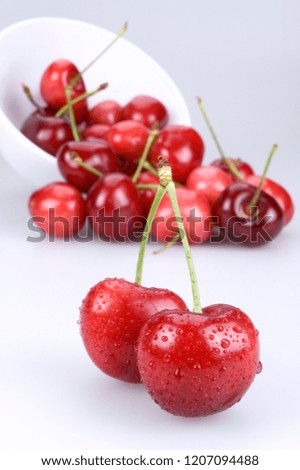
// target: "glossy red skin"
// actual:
[[164, 227], [114, 209], [111, 317], [46, 131], [244, 168], [210, 181], [127, 139], [196, 365], [96, 154], [106, 112], [147, 195], [182, 146], [241, 229], [95, 132], [54, 81], [65, 201], [147, 110], [278, 193]]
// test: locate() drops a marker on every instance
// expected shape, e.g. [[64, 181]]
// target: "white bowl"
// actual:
[[27, 48]]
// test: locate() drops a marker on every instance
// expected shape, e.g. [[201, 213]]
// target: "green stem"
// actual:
[[151, 138], [28, 93], [71, 115], [255, 198], [147, 166], [161, 191], [146, 186], [77, 159], [226, 160], [168, 245], [118, 36], [187, 250], [79, 98]]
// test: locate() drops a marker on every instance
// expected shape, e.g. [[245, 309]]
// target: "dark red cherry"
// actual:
[[198, 364], [96, 154], [182, 146], [244, 168], [127, 139], [239, 224], [111, 317], [55, 80], [58, 208], [46, 131], [147, 195], [147, 110], [106, 112], [114, 209], [95, 132]]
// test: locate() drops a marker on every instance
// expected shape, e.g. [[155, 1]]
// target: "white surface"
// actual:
[[244, 61], [127, 69]]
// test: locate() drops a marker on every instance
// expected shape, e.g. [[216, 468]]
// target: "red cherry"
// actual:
[[195, 211], [106, 112], [278, 193], [58, 208], [198, 364], [95, 132], [237, 222], [46, 131], [209, 181], [112, 315], [96, 154], [147, 110], [244, 168], [114, 208], [54, 81], [127, 139], [182, 146], [147, 195]]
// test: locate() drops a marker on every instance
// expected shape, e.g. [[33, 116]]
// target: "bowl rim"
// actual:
[[53, 19]]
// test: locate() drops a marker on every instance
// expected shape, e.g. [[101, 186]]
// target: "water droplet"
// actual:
[[178, 373], [167, 357], [223, 369], [256, 332], [237, 329], [215, 350], [259, 368], [225, 343], [197, 366], [244, 340], [220, 328], [152, 365], [211, 337], [164, 338]]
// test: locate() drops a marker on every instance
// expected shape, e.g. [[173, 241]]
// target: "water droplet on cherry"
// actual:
[[225, 343], [259, 368]]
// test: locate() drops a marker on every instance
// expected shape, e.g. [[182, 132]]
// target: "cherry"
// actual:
[[46, 131], [242, 224], [106, 112], [198, 364], [55, 79], [209, 181], [277, 192], [58, 208], [114, 208], [244, 168], [127, 139], [96, 154], [147, 195], [147, 110], [182, 146], [111, 317], [95, 132], [196, 214]]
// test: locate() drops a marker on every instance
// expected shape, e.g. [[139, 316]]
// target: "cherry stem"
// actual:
[[28, 93], [147, 186], [151, 139], [161, 191], [81, 97], [256, 195], [121, 33], [77, 159], [147, 166], [71, 115], [168, 245], [232, 167], [187, 250]]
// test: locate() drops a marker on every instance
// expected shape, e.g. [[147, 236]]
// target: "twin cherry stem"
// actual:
[[226, 160], [151, 139], [83, 96], [167, 186]]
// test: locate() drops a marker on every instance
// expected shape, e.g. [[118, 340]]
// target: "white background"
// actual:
[[243, 59]]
